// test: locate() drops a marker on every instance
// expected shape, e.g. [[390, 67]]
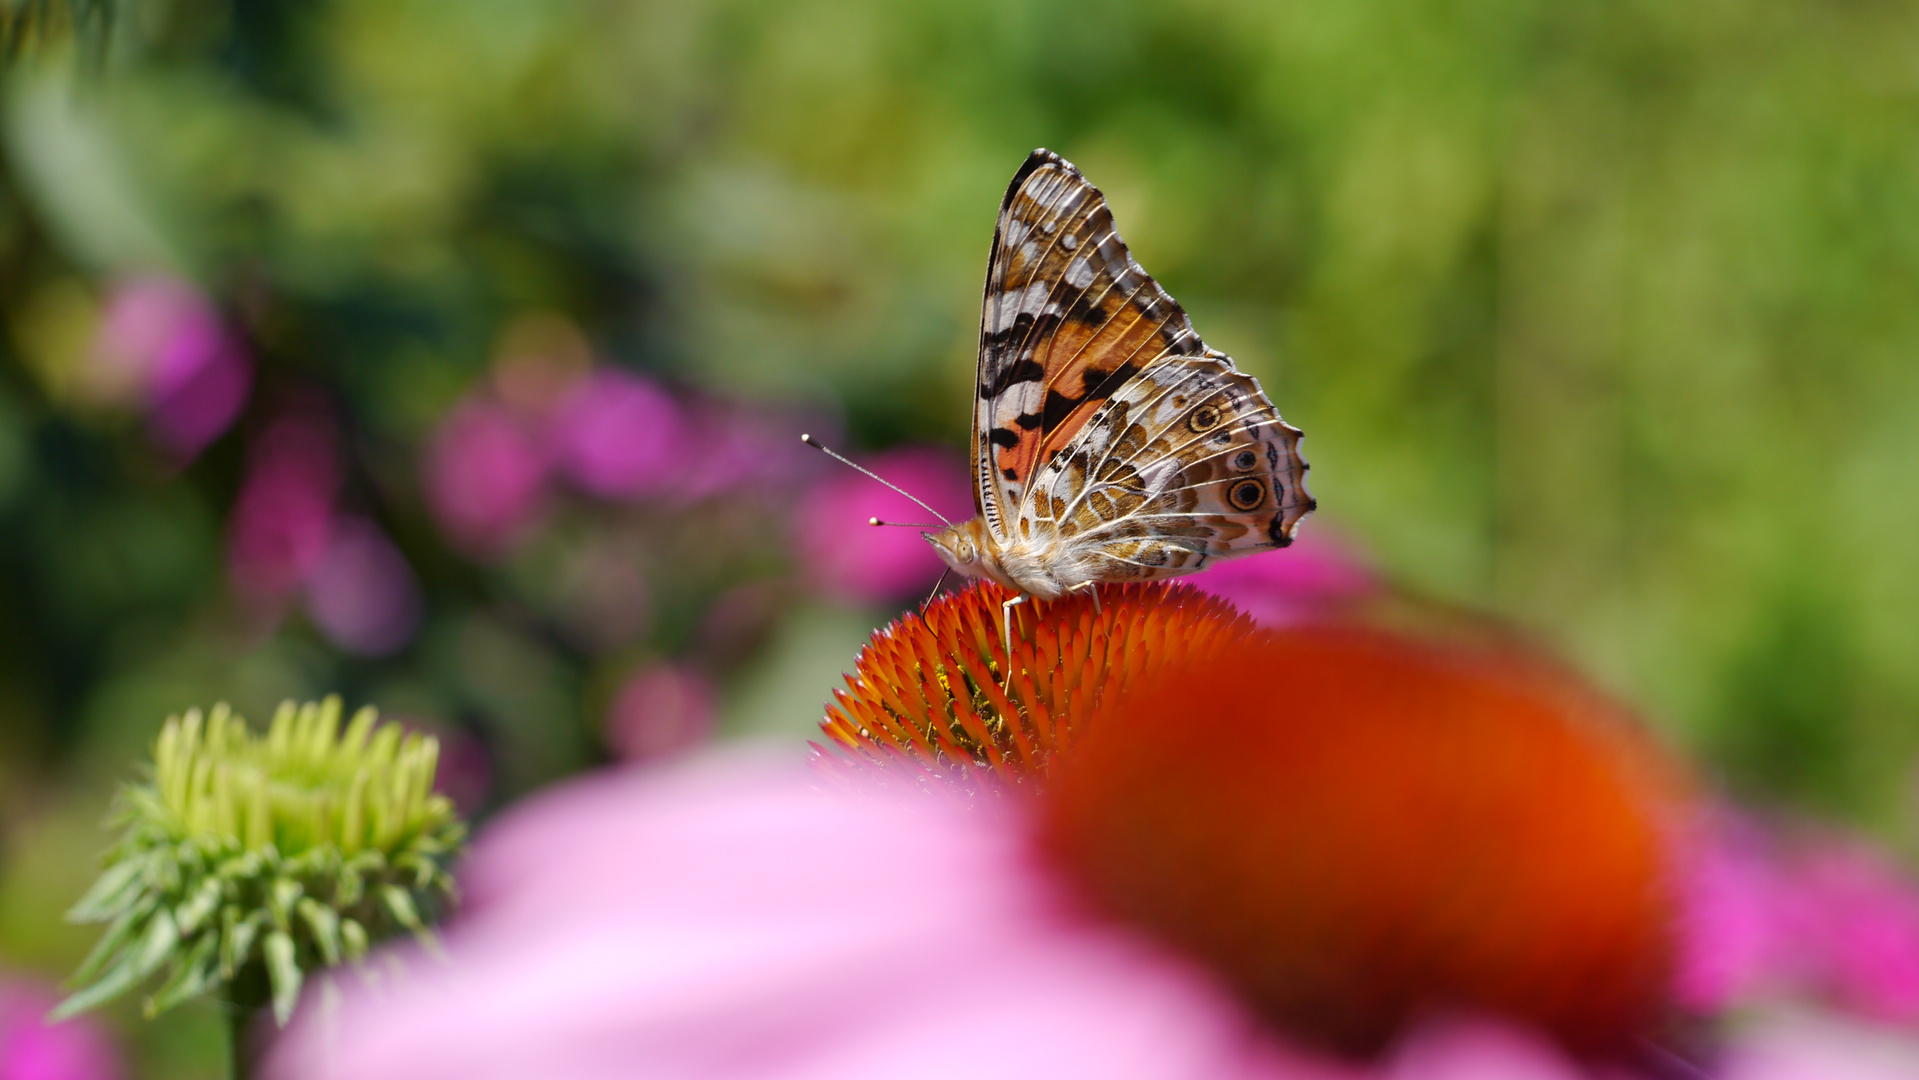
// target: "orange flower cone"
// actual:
[[933, 688], [1355, 828]]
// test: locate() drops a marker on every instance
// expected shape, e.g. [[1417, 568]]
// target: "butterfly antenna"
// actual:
[[934, 593], [822, 448]]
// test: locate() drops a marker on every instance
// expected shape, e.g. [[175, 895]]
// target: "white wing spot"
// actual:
[[1079, 274], [1034, 302]]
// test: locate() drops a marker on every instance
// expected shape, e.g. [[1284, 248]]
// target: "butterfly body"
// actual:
[[1035, 568], [1110, 443]]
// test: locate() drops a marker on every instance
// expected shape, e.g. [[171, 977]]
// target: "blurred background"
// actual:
[[452, 356]]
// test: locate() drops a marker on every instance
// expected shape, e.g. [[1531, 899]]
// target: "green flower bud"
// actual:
[[279, 854]]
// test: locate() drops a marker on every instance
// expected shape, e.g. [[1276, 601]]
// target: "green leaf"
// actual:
[[325, 924], [132, 966], [319, 860], [189, 978], [281, 896], [201, 904], [353, 940], [236, 939], [111, 941], [283, 971], [400, 905], [117, 980], [114, 889], [348, 888], [421, 869], [158, 944]]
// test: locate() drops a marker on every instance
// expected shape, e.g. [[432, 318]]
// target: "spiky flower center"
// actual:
[[937, 688]]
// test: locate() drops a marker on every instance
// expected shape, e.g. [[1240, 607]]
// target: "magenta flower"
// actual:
[[740, 450], [660, 710], [163, 345], [850, 560], [1315, 574], [32, 1049], [617, 435], [485, 475], [1800, 916], [361, 593], [282, 519]]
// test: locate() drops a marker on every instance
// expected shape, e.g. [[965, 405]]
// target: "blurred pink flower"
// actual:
[[32, 1049], [850, 560], [1277, 587], [361, 593], [729, 918], [660, 710], [1821, 1048], [485, 475], [1863, 919], [740, 449], [163, 345], [617, 435], [283, 515], [1799, 916]]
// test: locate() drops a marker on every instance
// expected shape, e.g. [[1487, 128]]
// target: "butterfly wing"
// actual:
[[1186, 463], [1068, 319]]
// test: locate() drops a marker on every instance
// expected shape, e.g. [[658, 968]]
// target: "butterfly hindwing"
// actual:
[[1186, 463], [1068, 319]]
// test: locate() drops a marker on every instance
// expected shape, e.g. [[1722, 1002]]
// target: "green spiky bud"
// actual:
[[267, 857]]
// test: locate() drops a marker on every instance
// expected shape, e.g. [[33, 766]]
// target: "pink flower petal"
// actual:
[[851, 560], [731, 920], [361, 593], [617, 435], [33, 1049], [1808, 1048], [283, 516], [661, 710], [485, 476], [163, 345], [1283, 586]]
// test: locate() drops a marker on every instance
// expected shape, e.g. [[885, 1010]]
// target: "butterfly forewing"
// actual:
[[1067, 320]]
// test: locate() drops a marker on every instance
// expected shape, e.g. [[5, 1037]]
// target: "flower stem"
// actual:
[[243, 1002]]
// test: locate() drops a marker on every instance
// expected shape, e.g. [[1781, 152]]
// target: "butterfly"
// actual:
[[1109, 442]]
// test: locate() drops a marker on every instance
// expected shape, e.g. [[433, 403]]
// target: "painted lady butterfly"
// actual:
[[1109, 442]]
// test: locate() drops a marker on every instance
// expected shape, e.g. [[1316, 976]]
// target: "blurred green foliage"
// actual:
[[1599, 315]]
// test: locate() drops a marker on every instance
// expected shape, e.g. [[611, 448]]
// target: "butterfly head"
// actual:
[[965, 547]]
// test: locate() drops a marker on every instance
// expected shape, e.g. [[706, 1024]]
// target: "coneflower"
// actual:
[[1416, 851], [247, 861], [1357, 828]]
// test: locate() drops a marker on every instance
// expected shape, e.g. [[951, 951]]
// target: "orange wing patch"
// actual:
[[1068, 318]]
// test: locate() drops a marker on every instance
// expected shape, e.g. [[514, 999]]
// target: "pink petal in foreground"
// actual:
[[727, 919], [1821, 1048]]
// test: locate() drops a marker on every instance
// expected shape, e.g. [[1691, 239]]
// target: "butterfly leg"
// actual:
[[1091, 588], [1006, 631]]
